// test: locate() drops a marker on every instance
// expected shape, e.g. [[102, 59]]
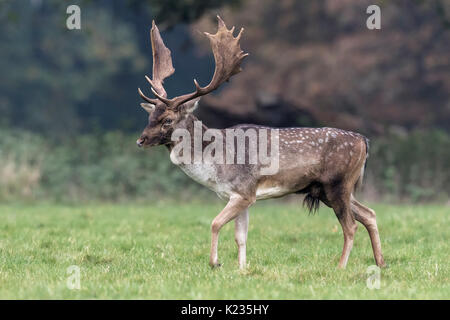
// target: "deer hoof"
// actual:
[[215, 265]]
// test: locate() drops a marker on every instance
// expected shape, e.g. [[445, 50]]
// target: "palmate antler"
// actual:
[[227, 55], [162, 65]]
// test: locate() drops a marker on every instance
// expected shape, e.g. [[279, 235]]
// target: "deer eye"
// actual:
[[167, 121]]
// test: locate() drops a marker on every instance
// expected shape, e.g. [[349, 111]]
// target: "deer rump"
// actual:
[[314, 192]]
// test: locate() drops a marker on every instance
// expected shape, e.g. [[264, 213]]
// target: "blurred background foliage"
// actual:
[[69, 111]]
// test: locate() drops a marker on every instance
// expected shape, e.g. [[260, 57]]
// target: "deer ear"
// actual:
[[190, 106], [148, 107]]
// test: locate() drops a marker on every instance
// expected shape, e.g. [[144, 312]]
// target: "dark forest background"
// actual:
[[69, 114]]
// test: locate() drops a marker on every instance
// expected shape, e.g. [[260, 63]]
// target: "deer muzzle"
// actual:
[[140, 142]]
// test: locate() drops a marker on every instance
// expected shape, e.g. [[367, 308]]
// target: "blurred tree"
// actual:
[[171, 12], [62, 81], [51, 74], [311, 63], [319, 57]]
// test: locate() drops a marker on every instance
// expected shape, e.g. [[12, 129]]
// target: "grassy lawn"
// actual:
[[162, 251]]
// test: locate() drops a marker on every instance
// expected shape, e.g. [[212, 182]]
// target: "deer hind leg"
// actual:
[[368, 218], [240, 235], [234, 207], [339, 200]]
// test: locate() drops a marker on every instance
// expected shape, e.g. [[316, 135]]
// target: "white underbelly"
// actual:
[[270, 192]]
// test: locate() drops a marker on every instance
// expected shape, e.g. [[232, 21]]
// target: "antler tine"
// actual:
[[163, 99], [143, 96], [239, 37], [154, 88], [228, 57]]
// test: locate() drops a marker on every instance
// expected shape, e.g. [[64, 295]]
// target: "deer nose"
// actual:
[[140, 141]]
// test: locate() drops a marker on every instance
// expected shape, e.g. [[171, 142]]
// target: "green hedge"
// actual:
[[88, 167], [109, 166], [413, 167]]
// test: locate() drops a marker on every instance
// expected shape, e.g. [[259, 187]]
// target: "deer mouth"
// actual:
[[141, 142], [146, 143]]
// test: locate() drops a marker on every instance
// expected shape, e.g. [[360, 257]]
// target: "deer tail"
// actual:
[[312, 197], [363, 168]]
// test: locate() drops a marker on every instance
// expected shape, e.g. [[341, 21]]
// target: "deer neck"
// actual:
[[189, 124], [203, 173]]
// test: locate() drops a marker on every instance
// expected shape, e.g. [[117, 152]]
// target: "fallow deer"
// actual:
[[325, 164]]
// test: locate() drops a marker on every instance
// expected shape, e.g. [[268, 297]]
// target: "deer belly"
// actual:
[[270, 192]]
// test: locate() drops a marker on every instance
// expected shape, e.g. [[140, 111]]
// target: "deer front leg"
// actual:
[[234, 207], [240, 235]]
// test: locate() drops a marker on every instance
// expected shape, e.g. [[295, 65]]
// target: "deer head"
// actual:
[[165, 115]]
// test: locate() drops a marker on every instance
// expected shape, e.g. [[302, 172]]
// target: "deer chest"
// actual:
[[205, 174]]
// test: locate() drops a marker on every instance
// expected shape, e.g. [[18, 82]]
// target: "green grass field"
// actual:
[[162, 251]]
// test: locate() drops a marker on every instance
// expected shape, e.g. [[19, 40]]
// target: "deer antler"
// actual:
[[228, 57], [162, 65]]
